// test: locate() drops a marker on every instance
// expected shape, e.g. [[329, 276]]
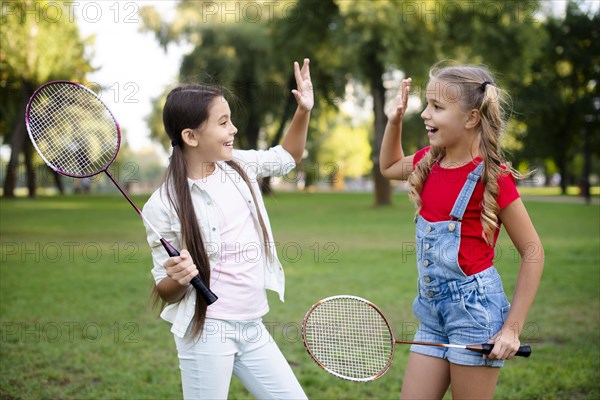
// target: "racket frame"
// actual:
[[524, 350], [319, 363], [48, 163], [196, 282]]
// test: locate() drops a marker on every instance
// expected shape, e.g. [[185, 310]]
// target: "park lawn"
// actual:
[[76, 320]]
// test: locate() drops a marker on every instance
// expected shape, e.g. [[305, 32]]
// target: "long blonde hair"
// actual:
[[477, 91]]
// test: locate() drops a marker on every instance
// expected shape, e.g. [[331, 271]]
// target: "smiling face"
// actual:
[[212, 141], [445, 121]]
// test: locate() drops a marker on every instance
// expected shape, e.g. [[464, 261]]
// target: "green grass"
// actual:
[[76, 321], [573, 191]]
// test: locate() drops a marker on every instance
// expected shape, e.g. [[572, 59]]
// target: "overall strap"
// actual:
[[465, 194]]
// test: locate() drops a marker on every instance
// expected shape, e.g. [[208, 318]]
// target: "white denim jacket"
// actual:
[[257, 164]]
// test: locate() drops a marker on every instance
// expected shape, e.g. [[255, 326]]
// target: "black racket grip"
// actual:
[[197, 283], [524, 351], [205, 292]]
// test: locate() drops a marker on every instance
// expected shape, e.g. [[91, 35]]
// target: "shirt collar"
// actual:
[[222, 165]]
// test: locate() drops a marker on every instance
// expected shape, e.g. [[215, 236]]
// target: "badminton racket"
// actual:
[[350, 338], [77, 136]]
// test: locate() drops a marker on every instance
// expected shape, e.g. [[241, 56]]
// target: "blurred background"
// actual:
[[546, 54], [75, 314]]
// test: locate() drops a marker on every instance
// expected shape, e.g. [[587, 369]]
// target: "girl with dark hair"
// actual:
[[463, 190], [210, 206]]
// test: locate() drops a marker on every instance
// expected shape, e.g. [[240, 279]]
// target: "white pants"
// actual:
[[243, 348]]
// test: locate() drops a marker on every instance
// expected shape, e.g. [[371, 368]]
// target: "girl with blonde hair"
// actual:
[[463, 190]]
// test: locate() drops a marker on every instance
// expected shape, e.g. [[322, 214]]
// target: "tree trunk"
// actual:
[[58, 181], [563, 151], [338, 180], [245, 92], [253, 129], [383, 192], [30, 168], [562, 168], [288, 109], [18, 138]]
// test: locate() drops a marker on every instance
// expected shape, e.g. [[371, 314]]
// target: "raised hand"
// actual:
[[400, 103], [304, 92]]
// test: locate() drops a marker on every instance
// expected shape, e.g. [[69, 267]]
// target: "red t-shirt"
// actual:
[[440, 191]]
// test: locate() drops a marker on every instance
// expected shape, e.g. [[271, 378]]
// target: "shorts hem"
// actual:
[[457, 357], [437, 352], [472, 359], [480, 363]]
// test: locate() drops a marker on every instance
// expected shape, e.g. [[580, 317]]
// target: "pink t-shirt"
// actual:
[[238, 279], [441, 190]]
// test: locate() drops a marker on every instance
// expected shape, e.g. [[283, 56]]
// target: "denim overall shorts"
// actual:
[[451, 306]]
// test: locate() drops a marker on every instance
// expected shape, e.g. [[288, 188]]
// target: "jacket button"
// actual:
[[427, 279], [426, 263]]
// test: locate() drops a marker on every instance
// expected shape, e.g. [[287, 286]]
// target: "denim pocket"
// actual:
[[415, 307], [473, 311], [504, 313], [498, 307]]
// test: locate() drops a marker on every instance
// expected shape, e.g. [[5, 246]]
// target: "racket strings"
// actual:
[[72, 130], [350, 339]]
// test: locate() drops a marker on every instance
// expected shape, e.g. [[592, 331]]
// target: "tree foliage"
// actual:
[[563, 86], [36, 46], [373, 44], [228, 50], [384, 36], [348, 144]]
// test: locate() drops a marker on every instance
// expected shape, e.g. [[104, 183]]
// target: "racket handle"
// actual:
[[205, 292], [197, 283], [524, 350]]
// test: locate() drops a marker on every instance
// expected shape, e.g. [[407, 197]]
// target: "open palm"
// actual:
[[304, 92]]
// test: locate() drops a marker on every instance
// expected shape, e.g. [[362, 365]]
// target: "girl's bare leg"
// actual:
[[425, 377]]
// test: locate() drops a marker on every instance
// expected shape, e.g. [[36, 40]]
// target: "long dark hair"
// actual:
[[187, 107]]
